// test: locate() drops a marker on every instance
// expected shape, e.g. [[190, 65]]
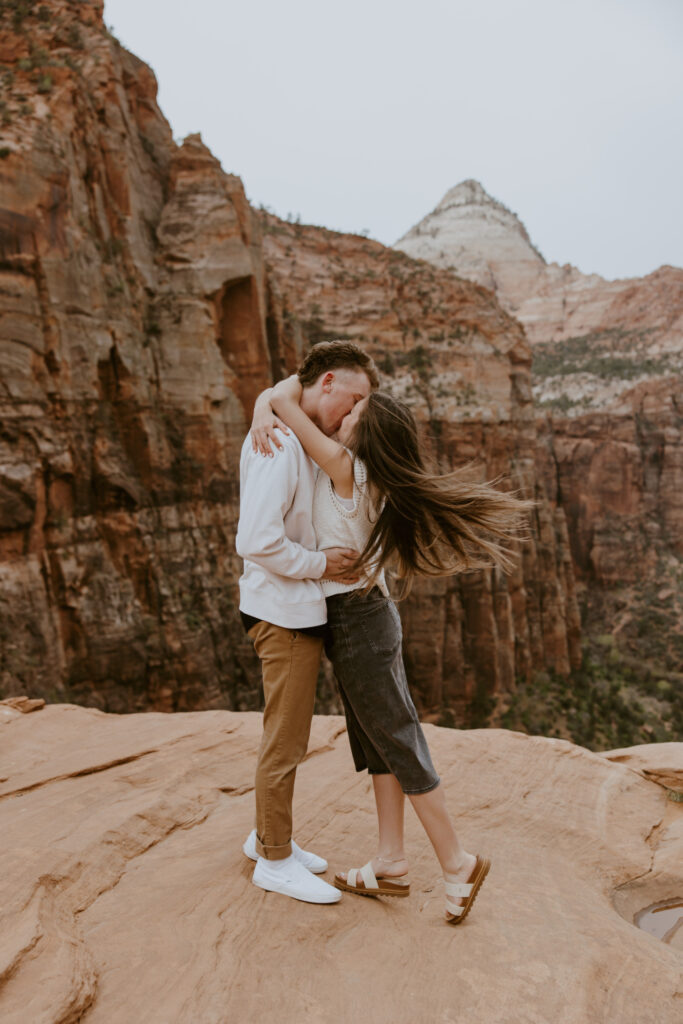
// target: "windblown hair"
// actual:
[[336, 355], [429, 524]]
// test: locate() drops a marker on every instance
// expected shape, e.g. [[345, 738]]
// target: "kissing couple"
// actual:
[[334, 489]]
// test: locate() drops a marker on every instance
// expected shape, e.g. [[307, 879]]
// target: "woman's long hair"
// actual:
[[429, 524]]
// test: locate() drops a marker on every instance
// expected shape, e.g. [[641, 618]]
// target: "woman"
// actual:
[[375, 495]]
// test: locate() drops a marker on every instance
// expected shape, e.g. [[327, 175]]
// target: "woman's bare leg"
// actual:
[[456, 863], [432, 811], [390, 859]]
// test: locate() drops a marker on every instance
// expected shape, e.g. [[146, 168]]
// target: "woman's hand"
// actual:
[[264, 426], [288, 390]]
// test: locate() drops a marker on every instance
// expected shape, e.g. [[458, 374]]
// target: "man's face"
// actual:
[[348, 426], [335, 394]]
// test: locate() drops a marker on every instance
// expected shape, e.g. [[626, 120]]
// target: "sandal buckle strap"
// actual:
[[459, 890], [368, 876]]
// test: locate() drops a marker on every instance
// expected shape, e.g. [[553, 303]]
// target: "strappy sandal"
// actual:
[[455, 913], [363, 881]]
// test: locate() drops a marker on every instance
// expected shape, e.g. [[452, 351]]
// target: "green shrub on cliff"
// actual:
[[614, 700]]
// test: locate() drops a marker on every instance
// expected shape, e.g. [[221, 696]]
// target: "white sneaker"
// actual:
[[309, 860], [291, 878]]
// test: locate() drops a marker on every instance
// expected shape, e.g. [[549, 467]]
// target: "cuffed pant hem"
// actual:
[[273, 852], [419, 792]]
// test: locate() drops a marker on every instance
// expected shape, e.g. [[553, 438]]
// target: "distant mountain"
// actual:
[[613, 334], [477, 237]]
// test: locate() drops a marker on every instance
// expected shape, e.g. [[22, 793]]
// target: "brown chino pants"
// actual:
[[289, 662]]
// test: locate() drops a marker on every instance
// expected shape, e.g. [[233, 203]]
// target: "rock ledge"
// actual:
[[125, 894]]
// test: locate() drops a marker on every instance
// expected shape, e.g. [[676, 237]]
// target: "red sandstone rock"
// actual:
[[23, 704], [132, 340], [618, 475], [137, 327], [660, 762]]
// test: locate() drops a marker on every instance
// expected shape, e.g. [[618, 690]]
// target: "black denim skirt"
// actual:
[[364, 645]]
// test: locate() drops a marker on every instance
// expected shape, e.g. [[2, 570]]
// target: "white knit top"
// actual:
[[339, 527]]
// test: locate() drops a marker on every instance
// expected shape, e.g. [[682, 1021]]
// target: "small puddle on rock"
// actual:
[[661, 919]]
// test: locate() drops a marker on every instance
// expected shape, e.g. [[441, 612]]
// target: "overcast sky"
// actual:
[[361, 114]]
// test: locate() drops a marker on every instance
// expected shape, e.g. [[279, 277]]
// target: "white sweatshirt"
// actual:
[[275, 537]]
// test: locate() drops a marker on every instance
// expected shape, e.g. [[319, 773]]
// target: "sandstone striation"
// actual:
[[660, 762], [132, 343], [617, 475], [125, 894]]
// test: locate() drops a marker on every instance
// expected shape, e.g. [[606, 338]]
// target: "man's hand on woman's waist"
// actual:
[[338, 565]]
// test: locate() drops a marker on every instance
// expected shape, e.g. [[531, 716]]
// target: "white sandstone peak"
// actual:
[[474, 234], [469, 193]]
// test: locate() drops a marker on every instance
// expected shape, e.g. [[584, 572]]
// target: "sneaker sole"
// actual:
[[293, 896]]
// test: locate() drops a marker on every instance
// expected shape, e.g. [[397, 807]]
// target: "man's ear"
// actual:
[[327, 381]]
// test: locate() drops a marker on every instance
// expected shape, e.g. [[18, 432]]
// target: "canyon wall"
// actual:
[[141, 313], [132, 340], [607, 378]]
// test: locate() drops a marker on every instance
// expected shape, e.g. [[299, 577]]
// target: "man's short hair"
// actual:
[[336, 355]]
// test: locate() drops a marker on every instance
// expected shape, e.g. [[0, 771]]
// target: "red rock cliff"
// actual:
[[132, 341], [138, 323]]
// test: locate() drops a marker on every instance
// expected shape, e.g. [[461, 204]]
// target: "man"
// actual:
[[283, 608]]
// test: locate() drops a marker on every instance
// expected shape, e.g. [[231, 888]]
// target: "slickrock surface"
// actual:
[[661, 762], [13, 706], [125, 896]]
